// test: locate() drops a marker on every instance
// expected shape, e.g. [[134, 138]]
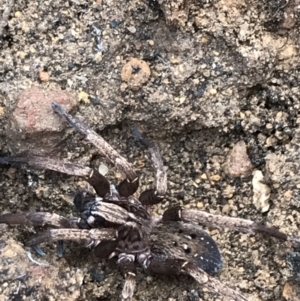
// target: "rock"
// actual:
[[135, 73], [131, 29], [291, 291], [261, 192], [237, 163], [103, 169], [44, 76], [42, 282], [33, 127]]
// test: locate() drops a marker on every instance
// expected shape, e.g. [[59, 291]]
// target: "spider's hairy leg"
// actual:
[[177, 266], [131, 183], [94, 235], [128, 270], [221, 221], [98, 181], [211, 283], [94, 211], [153, 196], [35, 219], [38, 219]]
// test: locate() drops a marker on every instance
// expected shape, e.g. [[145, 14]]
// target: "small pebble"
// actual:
[[291, 291], [115, 23], [83, 96], [131, 29], [261, 192], [32, 126], [237, 163], [44, 76], [103, 169]]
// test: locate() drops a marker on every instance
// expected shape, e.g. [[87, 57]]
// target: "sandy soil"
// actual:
[[221, 72]]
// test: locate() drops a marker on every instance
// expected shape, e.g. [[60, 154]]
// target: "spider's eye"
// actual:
[[193, 236]]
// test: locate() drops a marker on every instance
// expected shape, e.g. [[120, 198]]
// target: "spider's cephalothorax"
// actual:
[[118, 225]]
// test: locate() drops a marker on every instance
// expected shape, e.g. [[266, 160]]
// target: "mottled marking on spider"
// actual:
[[118, 225]]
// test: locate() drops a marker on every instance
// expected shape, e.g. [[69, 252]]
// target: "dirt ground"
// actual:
[[220, 72]]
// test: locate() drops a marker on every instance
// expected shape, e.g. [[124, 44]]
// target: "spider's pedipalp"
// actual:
[[95, 235], [104, 148], [35, 219]]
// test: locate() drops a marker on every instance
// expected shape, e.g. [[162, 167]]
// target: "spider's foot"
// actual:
[[38, 251], [127, 188], [150, 197], [172, 214], [99, 182], [60, 248], [58, 108]]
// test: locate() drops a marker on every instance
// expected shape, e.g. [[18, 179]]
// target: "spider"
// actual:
[[118, 225]]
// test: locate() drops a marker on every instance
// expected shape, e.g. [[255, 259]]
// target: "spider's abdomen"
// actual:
[[177, 240]]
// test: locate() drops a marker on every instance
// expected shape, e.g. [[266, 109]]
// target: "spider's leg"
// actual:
[[98, 181], [95, 212], [38, 219], [94, 235], [131, 183], [177, 266], [128, 269], [153, 196], [35, 219], [211, 283], [220, 221]]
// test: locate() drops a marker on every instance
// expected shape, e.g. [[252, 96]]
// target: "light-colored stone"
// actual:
[[237, 163], [261, 192]]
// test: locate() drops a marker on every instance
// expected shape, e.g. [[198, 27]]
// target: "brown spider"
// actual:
[[118, 225]]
